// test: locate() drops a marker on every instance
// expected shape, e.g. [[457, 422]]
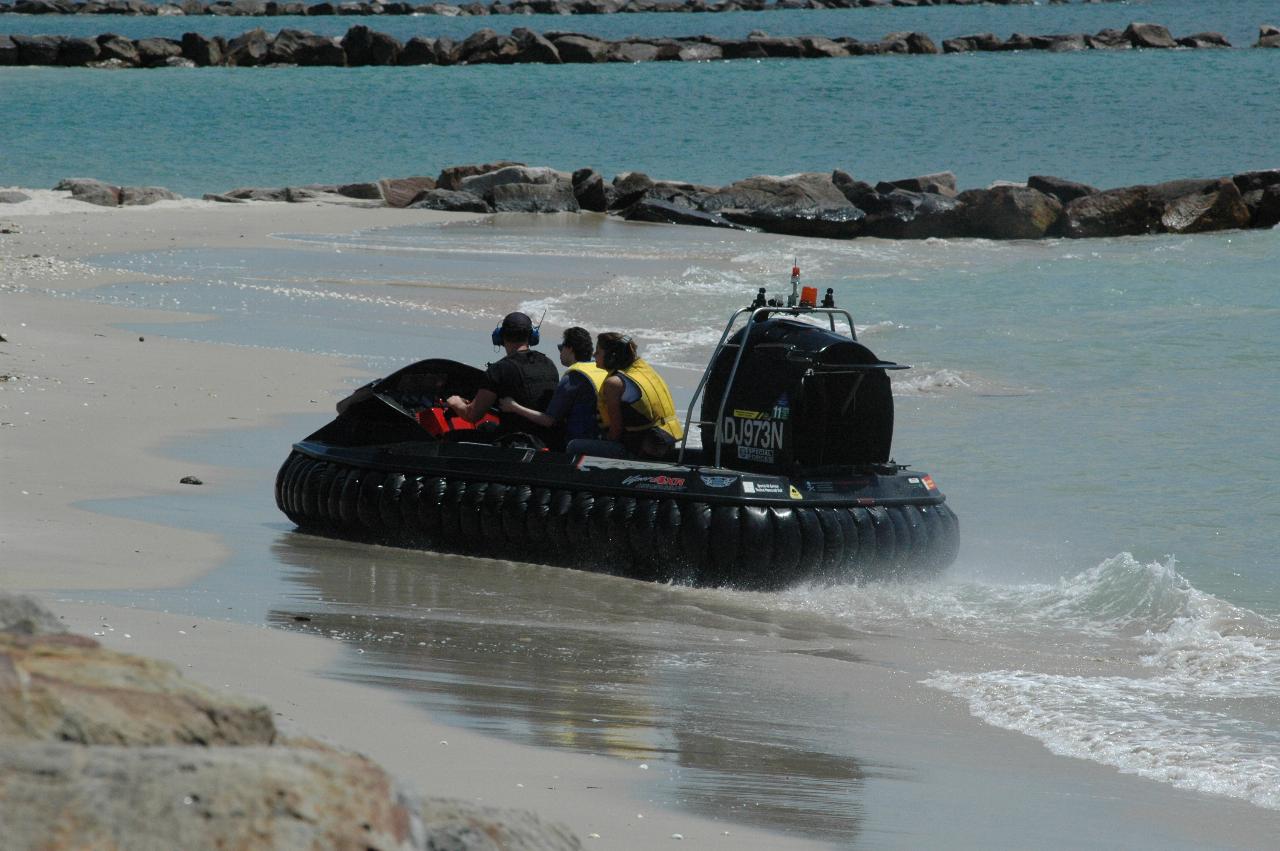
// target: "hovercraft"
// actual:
[[792, 481]]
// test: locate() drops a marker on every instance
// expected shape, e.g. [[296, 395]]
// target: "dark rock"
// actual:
[[142, 196], [77, 52], [249, 49], [534, 47], [902, 214], [259, 194], [1126, 211], [8, 51], [1263, 206], [744, 49], [362, 191], [1217, 207], [402, 191], [452, 177], [977, 41], [419, 50], [1009, 212], [626, 51], [364, 46], [1268, 36], [1201, 41], [941, 183], [629, 187], [190, 480], [1065, 191], [483, 184], [156, 52], [779, 47], [816, 47], [1108, 39], [449, 200], [37, 49], [591, 192], [484, 46], [856, 191], [298, 47], [91, 191], [203, 50], [576, 48], [802, 191], [1018, 41], [1149, 35], [1250, 180], [830, 222], [534, 197], [667, 212]]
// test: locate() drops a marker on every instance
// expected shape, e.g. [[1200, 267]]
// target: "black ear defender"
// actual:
[[534, 335]]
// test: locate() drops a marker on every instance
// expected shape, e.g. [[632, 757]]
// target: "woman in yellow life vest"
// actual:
[[635, 405], [574, 410]]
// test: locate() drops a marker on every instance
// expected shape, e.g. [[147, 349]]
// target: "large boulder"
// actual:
[[629, 187], [77, 52], [37, 49], [828, 221], [483, 184], [91, 191], [940, 183], [299, 47], [249, 49], [8, 51], [1206, 40], [1250, 180], [450, 201], [204, 51], [1218, 206], [1268, 36], [581, 48], [360, 191], [1264, 206], [403, 191], [1065, 191], [452, 177], [660, 211], [902, 214], [1126, 211], [156, 52], [364, 46], [1009, 212], [591, 191], [977, 41], [1149, 35], [419, 50], [142, 196], [802, 191], [534, 47], [554, 197]]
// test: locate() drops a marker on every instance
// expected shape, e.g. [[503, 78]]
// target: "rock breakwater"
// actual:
[[832, 205], [271, 8], [100, 749], [362, 47]]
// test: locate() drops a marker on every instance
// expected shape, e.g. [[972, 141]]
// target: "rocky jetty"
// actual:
[[361, 46], [272, 8], [836, 205], [100, 749], [832, 205]]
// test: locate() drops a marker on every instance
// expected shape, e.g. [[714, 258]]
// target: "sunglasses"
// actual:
[[561, 346]]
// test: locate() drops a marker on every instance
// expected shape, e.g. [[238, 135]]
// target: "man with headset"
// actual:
[[636, 405], [526, 376]]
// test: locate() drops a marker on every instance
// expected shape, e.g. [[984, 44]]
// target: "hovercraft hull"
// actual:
[[672, 522]]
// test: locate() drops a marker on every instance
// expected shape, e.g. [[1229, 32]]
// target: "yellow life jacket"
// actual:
[[654, 408], [596, 376]]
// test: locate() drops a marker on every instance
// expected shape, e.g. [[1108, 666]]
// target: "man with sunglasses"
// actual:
[[573, 407]]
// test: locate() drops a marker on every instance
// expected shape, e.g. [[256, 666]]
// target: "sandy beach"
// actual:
[[87, 409], [84, 407]]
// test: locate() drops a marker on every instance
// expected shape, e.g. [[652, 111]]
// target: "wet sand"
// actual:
[[516, 651]]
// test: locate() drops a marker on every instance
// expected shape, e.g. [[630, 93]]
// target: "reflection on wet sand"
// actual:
[[561, 658]]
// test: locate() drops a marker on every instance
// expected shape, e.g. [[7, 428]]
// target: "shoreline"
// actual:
[[72, 379]]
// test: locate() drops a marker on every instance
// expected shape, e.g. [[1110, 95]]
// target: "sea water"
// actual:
[[1099, 412]]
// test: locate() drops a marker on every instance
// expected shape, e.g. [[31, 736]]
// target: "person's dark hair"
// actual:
[[619, 350], [579, 339]]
